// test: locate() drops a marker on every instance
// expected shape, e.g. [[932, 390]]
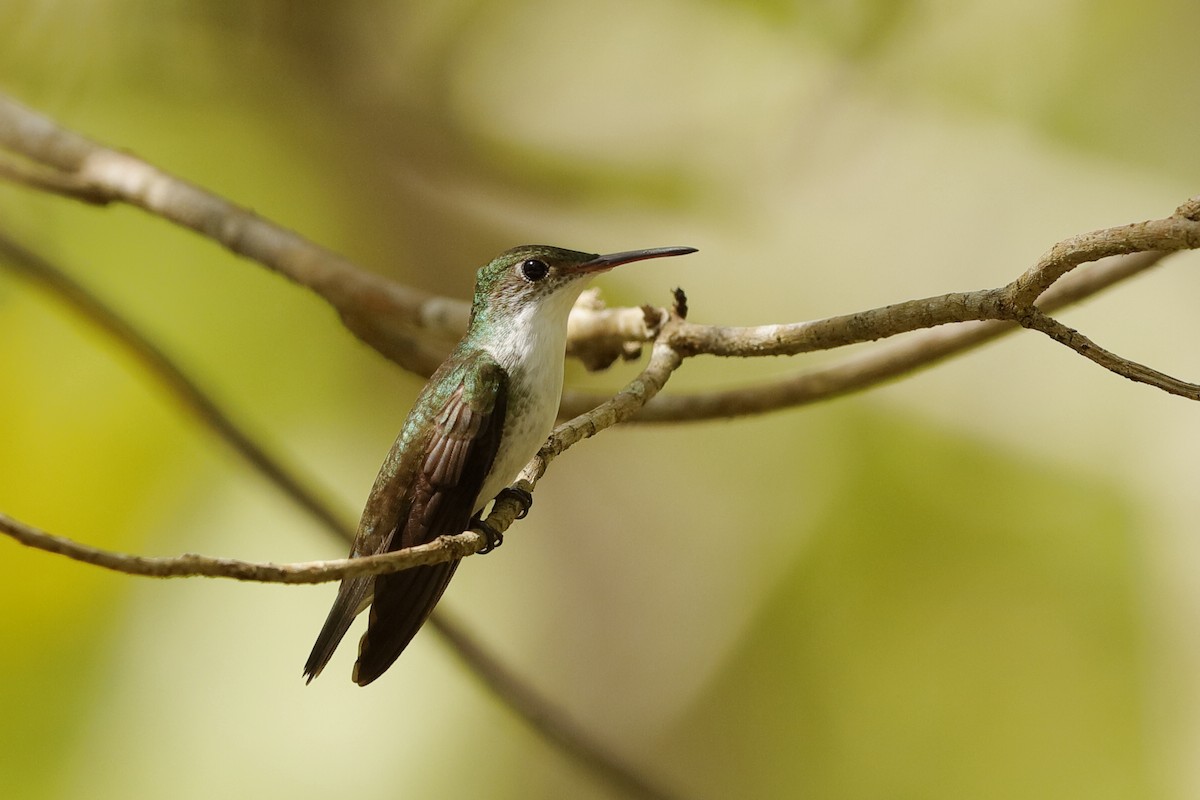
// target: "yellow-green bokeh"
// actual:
[[974, 583]]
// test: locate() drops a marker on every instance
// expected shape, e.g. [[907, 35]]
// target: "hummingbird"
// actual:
[[481, 417]]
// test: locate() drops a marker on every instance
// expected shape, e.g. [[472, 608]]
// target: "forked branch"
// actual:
[[414, 329]]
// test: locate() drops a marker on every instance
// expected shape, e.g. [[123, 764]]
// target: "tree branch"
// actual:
[[1132, 370], [664, 360], [390, 317], [919, 350], [1180, 231], [400, 322], [410, 327], [191, 565]]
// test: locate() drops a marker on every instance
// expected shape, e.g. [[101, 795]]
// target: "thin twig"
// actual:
[[49, 180], [1132, 370], [664, 360], [855, 373], [392, 318], [1180, 231], [191, 565]]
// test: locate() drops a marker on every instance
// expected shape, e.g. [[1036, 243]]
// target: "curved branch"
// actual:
[[410, 327], [982, 316], [986, 314], [862, 371], [1132, 370], [664, 360], [793, 338], [1180, 231], [191, 565], [390, 317]]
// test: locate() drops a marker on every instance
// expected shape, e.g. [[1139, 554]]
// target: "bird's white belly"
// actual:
[[534, 392]]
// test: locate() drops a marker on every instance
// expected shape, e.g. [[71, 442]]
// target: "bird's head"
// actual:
[[545, 281]]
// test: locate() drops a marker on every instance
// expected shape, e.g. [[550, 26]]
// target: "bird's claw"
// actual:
[[494, 537], [522, 496]]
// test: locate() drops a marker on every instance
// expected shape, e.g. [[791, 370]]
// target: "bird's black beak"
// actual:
[[607, 262]]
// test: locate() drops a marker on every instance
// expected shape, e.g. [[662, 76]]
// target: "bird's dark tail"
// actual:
[[349, 602], [402, 603]]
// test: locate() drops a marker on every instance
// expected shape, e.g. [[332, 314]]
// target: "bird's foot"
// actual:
[[494, 537], [522, 496]]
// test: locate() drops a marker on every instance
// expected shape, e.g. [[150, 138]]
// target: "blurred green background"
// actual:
[[978, 582]]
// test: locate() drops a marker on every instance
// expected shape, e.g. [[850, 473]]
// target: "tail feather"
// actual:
[[403, 601], [351, 599]]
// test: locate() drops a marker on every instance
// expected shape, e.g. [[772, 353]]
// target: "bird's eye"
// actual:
[[533, 270]]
